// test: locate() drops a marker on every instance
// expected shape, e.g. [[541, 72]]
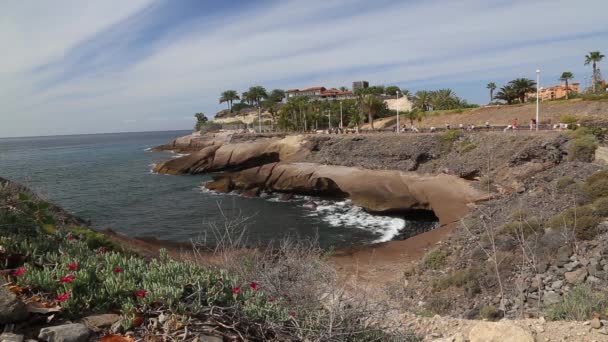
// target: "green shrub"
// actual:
[[582, 220], [563, 183], [435, 259], [582, 149], [467, 145], [600, 207], [597, 184], [450, 136], [489, 312], [595, 97], [439, 304], [526, 227], [578, 304], [596, 177], [568, 119]]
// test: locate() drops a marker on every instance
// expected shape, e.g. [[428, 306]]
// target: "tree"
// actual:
[[492, 87], [565, 77], [372, 105], [271, 106], [246, 98], [406, 93], [256, 94], [391, 90], [355, 121], [443, 99], [343, 88], [228, 96], [276, 95], [422, 100], [507, 94], [415, 115], [201, 119], [522, 87], [593, 58]]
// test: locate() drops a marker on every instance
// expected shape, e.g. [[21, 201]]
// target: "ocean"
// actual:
[[108, 179]]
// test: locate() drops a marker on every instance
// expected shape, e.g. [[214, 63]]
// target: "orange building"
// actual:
[[555, 92]]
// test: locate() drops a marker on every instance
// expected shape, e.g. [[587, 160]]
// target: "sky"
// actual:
[[79, 67]]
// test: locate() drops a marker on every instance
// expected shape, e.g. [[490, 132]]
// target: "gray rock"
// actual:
[[541, 267], [576, 277], [593, 280], [593, 261], [560, 271], [12, 309], [571, 266], [557, 284], [10, 337], [593, 269], [98, 322], [564, 253], [551, 297], [74, 332]]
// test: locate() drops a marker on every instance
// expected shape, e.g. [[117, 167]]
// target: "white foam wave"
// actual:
[[149, 149], [345, 214], [152, 166]]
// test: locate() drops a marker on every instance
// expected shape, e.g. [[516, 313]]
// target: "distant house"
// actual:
[[321, 93], [555, 92]]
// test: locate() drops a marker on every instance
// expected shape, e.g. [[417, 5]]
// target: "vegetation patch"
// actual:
[[579, 304], [583, 148], [435, 259], [581, 220]]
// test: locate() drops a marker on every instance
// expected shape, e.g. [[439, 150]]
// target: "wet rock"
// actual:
[[576, 277], [98, 322], [74, 332], [12, 309], [10, 337], [499, 332]]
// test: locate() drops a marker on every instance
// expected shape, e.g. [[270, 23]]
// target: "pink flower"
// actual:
[[67, 279], [71, 237], [140, 293], [19, 272], [117, 270], [236, 290], [253, 285], [73, 266], [63, 297], [292, 313], [101, 250], [270, 299]]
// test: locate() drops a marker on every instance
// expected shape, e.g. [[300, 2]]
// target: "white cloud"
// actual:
[[291, 44]]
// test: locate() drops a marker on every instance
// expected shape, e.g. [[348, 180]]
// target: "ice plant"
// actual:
[[67, 279], [101, 250], [292, 313], [117, 270], [253, 285], [140, 293], [63, 297], [73, 266], [270, 299], [236, 290], [19, 272], [71, 237]]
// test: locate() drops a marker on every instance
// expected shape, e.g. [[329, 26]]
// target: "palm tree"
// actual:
[[246, 98], [422, 100], [257, 94], [492, 87], [355, 120], [228, 96], [443, 99], [594, 57], [343, 88], [415, 114], [507, 94], [372, 105], [277, 95], [523, 86], [566, 75]]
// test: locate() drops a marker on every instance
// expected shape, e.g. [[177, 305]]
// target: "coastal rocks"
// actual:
[[381, 191], [11, 308], [74, 332], [98, 322], [499, 332], [238, 156]]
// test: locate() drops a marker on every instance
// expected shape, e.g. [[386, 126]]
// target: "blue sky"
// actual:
[[71, 66]]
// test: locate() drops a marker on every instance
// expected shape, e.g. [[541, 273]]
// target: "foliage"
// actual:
[[565, 77], [489, 312], [237, 107], [201, 119], [581, 220], [593, 58], [392, 90], [209, 127], [568, 119], [523, 86], [579, 304], [276, 95], [229, 96], [583, 148], [466, 145], [600, 207], [597, 185], [435, 259], [372, 105], [564, 182], [507, 94], [595, 97], [449, 136], [255, 95], [491, 86]]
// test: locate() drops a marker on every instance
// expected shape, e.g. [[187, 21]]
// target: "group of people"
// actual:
[[515, 125]]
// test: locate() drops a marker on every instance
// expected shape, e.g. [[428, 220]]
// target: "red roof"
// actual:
[[292, 91]]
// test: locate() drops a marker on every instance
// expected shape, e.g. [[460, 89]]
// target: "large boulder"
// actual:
[[499, 332], [576, 277], [12, 309]]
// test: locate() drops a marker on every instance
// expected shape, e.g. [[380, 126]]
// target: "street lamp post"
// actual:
[[398, 127], [341, 123], [537, 95], [329, 113], [259, 119]]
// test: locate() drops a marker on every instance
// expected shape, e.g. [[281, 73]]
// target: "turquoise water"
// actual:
[[107, 178]]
